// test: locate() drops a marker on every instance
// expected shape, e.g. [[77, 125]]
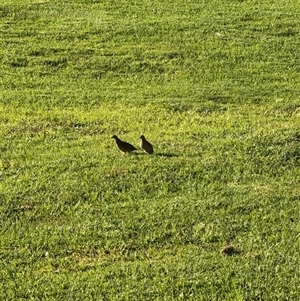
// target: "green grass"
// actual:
[[214, 86]]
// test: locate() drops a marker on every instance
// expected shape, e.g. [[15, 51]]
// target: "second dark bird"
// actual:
[[146, 146]]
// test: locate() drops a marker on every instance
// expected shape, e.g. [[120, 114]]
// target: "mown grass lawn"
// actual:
[[214, 85]]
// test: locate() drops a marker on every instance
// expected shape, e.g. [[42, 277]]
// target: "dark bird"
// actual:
[[146, 146], [229, 250], [123, 146]]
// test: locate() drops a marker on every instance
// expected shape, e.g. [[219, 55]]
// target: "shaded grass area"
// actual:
[[236, 52]]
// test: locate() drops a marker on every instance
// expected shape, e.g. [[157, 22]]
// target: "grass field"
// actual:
[[214, 85]]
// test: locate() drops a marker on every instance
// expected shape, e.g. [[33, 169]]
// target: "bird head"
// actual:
[[142, 137], [114, 137]]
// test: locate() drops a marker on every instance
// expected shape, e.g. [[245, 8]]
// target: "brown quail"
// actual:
[[123, 146], [146, 146]]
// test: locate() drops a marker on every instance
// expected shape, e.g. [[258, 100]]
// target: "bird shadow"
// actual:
[[168, 155]]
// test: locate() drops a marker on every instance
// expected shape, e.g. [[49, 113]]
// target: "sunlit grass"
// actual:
[[214, 87]]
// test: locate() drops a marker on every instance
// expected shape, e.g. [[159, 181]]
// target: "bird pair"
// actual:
[[126, 147]]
